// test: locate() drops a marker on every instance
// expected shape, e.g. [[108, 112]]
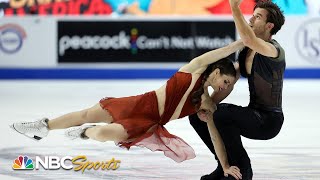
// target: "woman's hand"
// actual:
[[233, 171], [204, 115], [207, 107]]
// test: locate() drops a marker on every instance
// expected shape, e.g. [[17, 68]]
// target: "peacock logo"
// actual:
[[22, 163], [133, 40]]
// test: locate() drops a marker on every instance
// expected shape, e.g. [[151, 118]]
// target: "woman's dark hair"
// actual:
[[275, 15], [226, 68]]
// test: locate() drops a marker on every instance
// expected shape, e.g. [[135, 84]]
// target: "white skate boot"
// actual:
[[34, 130], [77, 132]]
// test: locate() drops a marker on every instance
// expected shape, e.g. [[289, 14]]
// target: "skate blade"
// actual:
[[35, 138], [69, 137]]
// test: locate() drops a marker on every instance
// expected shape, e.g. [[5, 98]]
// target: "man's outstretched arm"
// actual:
[[247, 35]]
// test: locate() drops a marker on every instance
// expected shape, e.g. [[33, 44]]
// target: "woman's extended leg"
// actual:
[[94, 114], [39, 129], [111, 132]]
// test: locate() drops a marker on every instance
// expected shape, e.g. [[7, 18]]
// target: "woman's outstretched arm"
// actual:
[[202, 61]]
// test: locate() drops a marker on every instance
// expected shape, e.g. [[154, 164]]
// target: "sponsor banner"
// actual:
[[140, 41], [300, 37], [27, 42], [30, 47]]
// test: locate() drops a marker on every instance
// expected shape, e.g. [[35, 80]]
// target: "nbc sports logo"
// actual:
[[23, 163], [67, 162]]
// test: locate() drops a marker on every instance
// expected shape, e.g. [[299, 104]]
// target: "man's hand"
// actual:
[[233, 171], [235, 3]]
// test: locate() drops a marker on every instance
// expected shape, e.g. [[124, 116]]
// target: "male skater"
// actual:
[[262, 62]]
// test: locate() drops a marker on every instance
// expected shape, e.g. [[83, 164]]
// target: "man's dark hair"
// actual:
[[275, 15]]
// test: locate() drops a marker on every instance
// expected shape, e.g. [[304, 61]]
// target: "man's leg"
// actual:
[[202, 129]]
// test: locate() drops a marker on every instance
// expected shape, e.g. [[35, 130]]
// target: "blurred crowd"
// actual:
[[146, 7]]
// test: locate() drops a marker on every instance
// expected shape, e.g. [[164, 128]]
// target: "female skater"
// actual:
[[139, 120]]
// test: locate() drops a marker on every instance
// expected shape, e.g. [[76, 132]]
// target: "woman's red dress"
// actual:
[[139, 115]]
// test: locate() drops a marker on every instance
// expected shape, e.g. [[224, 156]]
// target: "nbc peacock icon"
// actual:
[[22, 163]]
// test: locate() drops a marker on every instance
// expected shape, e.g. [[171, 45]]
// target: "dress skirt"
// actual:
[[139, 115]]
